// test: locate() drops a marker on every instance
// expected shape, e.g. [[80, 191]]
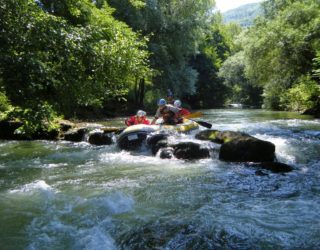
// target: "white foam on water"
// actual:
[[72, 182], [79, 223], [118, 203], [95, 239], [54, 165], [142, 158], [34, 186], [297, 122], [282, 147], [121, 183]]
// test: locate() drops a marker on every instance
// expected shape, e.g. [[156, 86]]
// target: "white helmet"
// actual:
[[177, 103], [141, 113]]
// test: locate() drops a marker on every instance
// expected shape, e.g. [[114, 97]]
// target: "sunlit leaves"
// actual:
[[302, 96], [69, 53], [176, 28], [280, 48]]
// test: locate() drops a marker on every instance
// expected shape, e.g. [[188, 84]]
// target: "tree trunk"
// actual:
[[139, 91]]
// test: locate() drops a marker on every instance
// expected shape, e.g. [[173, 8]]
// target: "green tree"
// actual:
[[214, 49], [176, 28], [304, 95], [242, 90], [281, 47], [71, 58]]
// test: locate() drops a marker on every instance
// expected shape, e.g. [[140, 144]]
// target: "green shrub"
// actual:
[[4, 102], [302, 96], [37, 117], [316, 65], [271, 97]]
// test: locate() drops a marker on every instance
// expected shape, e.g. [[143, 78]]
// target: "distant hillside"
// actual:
[[244, 15]]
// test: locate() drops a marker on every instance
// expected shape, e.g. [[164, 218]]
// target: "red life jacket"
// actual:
[[133, 120], [183, 112]]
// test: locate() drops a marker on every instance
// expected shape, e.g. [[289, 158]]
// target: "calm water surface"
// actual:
[[61, 195]]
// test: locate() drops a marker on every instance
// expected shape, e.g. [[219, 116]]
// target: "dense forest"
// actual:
[[243, 15], [75, 58]]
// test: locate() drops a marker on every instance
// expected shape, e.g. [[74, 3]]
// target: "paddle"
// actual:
[[196, 115], [203, 123]]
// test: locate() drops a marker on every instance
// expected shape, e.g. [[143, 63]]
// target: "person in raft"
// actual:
[[182, 112], [139, 118], [167, 112], [170, 99]]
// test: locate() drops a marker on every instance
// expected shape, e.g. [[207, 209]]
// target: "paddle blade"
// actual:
[[204, 124], [193, 115]]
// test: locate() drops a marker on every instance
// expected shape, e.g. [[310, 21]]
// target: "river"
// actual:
[[63, 195]]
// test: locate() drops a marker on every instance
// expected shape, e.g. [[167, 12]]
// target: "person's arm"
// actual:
[[158, 114], [146, 121], [154, 120], [173, 108], [130, 121]]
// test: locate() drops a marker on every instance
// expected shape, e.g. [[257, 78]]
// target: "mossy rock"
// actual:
[[100, 138], [247, 149], [220, 137]]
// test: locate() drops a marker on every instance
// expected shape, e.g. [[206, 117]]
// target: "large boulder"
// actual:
[[157, 141], [166, 153], [182, 150], [66, 125], [190, 151], [7, 130], [315, 111], [46, 135], [100, 138], [159, 144], [219, 137], [75, 135], [239, 147], [247, 149], [208, 135]]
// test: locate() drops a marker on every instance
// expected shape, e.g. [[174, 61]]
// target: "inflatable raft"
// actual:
[[133, 136]]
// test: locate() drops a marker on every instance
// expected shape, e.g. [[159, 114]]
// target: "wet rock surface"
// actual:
[[166, 153], [239, 147], [75, 135], [66, 125], [7, 130], [100, 138], [247, 149], [190, 151]]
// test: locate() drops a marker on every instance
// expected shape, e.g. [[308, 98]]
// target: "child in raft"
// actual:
[[182, 112], [139, 118]]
